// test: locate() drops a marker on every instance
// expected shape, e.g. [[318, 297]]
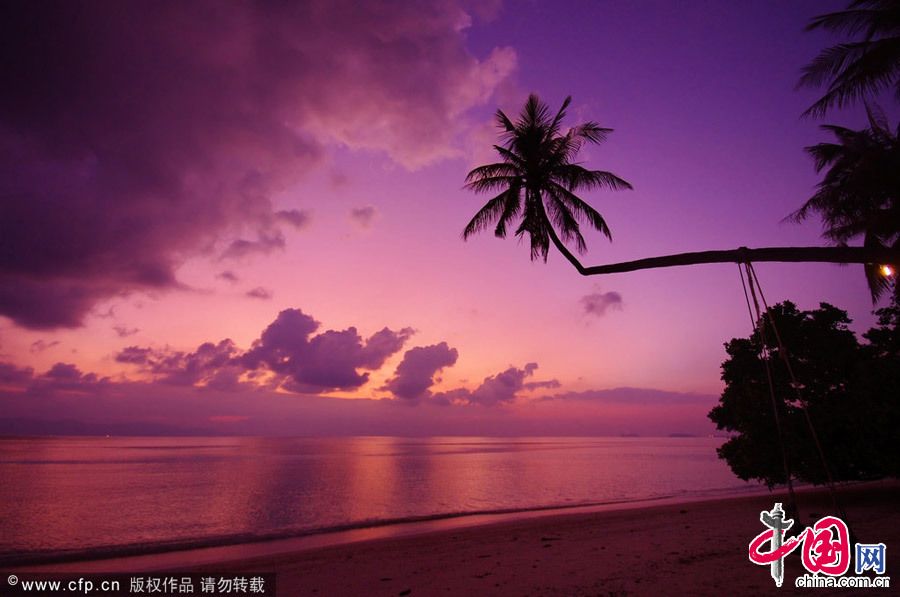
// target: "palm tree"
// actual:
[[537, 161], [537, 180], [860, 192], [856, 69]]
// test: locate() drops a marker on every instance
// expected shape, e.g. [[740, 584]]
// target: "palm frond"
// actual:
[[853, 71], [505, 123], [491, 170], [859, 193], [491, 211], [535, 113], [878, 122], [553, 129], [850, 21], [490, 183], [511, 157], [575, 177], [535, 224], [512, 204], [536, 179], [566, 224], [830, 62], [591, 132], [581, 209]]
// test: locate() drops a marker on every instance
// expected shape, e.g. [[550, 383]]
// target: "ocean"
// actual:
[[73, 497]]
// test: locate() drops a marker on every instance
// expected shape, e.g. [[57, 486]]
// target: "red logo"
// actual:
[[825, 545]]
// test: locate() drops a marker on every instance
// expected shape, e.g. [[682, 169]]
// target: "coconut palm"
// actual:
[[860, 68], [537, 180], [536, 183], [859, 196]]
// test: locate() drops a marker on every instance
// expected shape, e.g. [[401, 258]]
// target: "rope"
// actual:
[[782, 351], [764, 357]]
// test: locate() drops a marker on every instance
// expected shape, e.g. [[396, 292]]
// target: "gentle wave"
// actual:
[[42, 557]]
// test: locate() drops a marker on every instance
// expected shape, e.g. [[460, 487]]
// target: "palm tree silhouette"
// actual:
[[537, 162], [858, 195], [856, 69], [538, 166]]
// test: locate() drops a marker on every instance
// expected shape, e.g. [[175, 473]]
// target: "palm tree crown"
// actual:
[[860, 192], [537, 180], [856, 69]]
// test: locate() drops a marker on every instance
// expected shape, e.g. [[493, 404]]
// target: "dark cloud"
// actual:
[[598, 303], [228, 276], [259, 293], [134, 355], [13, 375], [363, 216], [501, 388], [67, 377], [288, 355], [64, 372], [296, 218], [49, 302], [123, 331], [415, 374], [537, 385], [327, 361], [135, 135], [265, 243], [383, 344], [41, 345], [210, 364]]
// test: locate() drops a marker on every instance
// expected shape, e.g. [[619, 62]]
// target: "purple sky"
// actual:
[[233, 217]]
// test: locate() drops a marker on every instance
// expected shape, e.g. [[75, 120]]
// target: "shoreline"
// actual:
[[629, 547], [214, 548]]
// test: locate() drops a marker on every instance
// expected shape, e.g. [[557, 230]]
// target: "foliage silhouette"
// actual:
[[849, 390], [538, 176], [858, 195], [537, 180], [854, 70]]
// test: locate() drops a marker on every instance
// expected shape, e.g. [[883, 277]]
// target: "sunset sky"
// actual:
[[284, 182]]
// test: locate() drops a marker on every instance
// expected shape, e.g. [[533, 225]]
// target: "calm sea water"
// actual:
[[74, 496]]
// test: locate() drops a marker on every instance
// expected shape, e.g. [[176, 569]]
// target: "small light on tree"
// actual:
[[887, 271]]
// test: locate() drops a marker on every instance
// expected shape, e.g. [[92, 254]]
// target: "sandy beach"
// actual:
[[692, 548]]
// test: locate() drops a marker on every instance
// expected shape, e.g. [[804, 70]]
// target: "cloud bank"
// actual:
[[135, 135], [276, 387], [289, 355]]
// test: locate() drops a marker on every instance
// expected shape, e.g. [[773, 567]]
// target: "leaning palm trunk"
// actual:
[[880, 256], [867, 255], [539, 176]]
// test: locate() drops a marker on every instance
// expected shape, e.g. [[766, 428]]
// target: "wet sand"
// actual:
[[694, 548]]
